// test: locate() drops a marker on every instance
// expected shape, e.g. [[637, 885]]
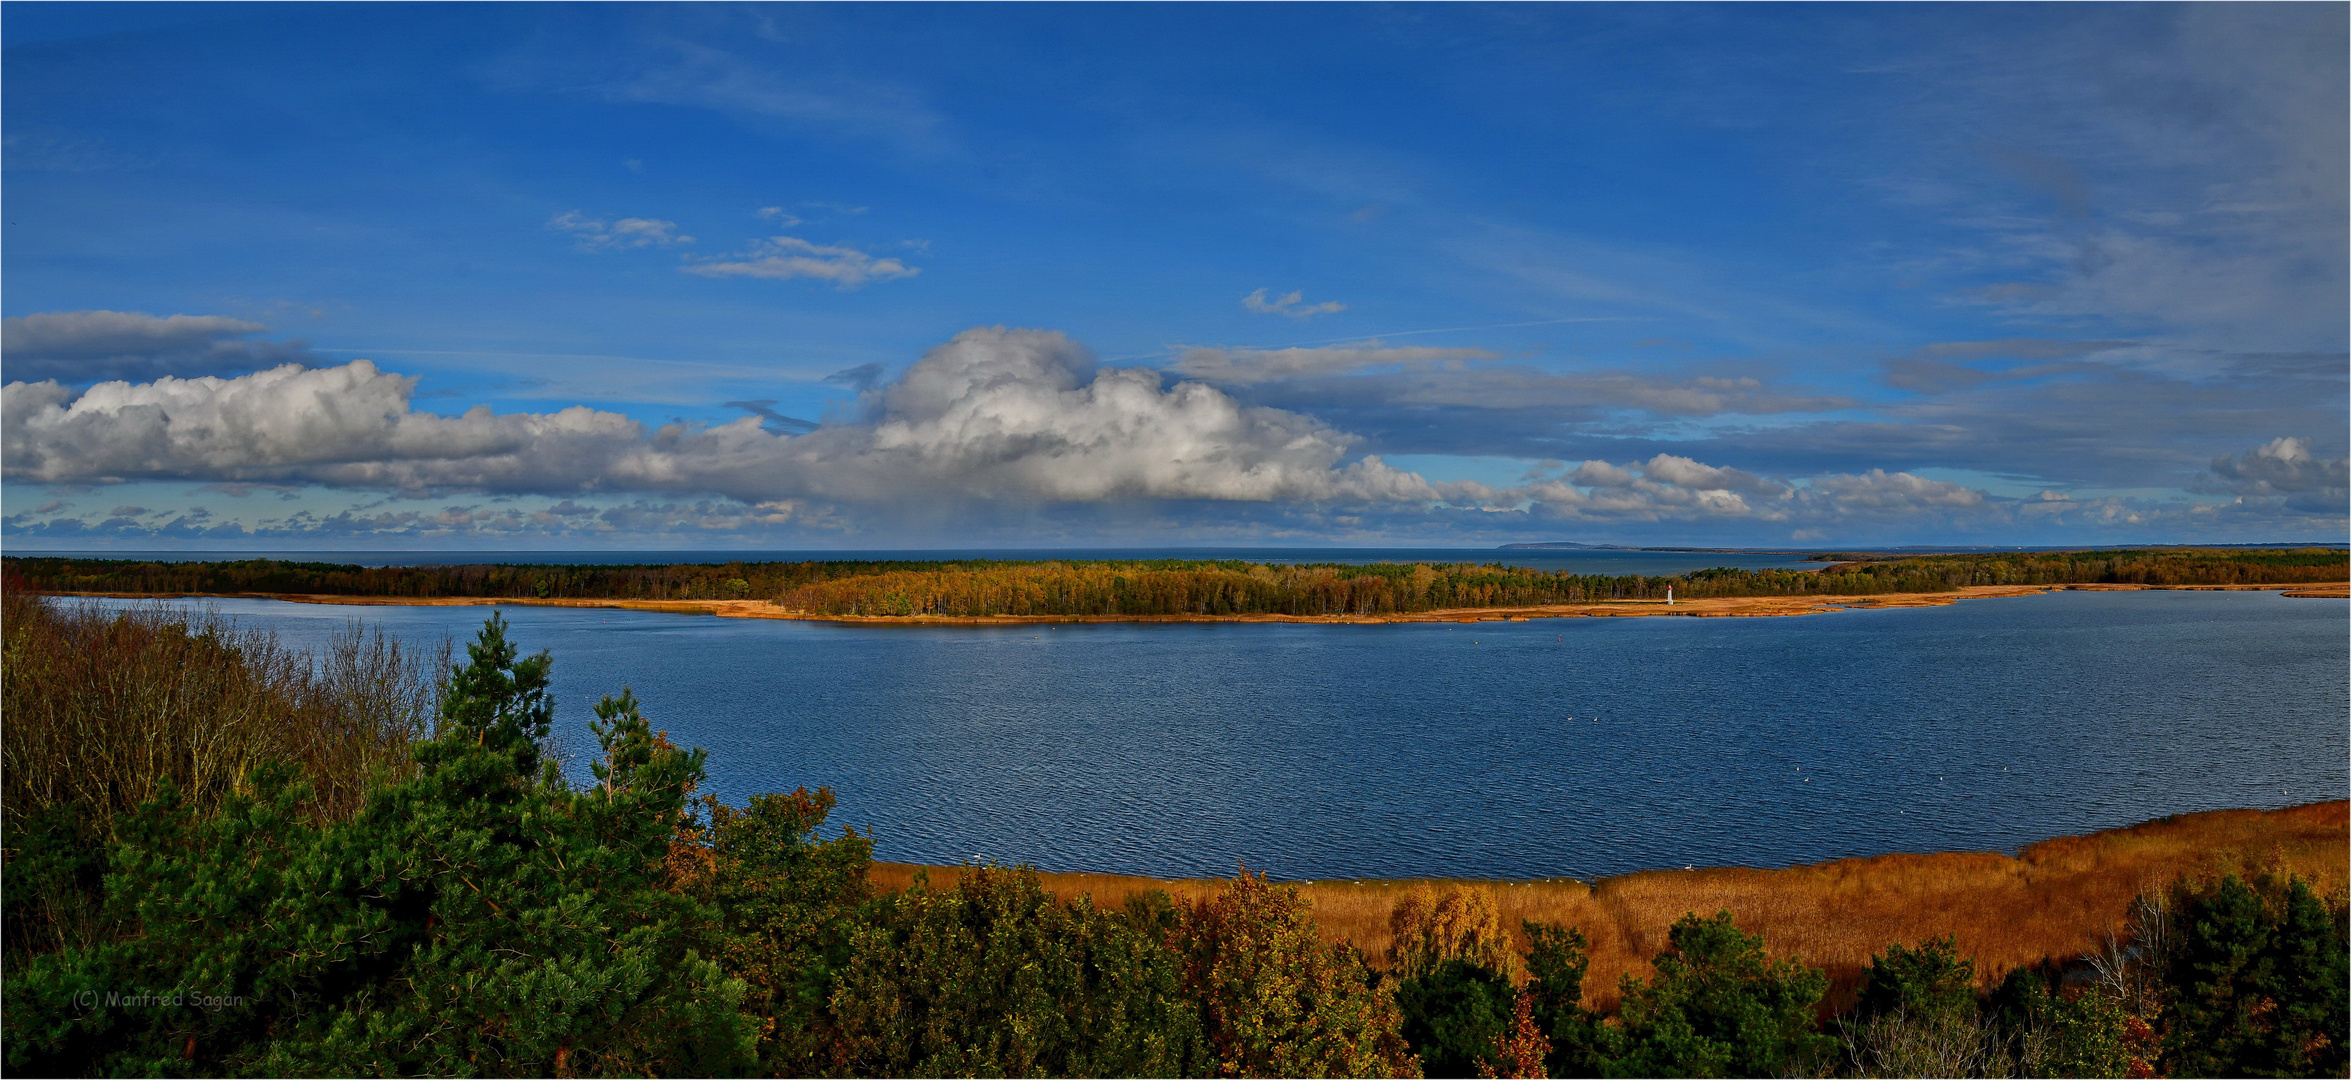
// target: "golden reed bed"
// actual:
[[1702, 608], [2054, 899]]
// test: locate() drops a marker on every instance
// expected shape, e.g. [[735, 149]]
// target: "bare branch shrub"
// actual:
[[1900, 1043], [105, 708]]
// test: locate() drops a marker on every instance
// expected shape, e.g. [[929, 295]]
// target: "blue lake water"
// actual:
[[1562, 747]]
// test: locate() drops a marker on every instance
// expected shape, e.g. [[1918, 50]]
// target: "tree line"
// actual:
[[472, 911], [2158, 566], [1165, 587], [518, 581]]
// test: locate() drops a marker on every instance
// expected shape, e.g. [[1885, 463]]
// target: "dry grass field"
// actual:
[[2054, 899]]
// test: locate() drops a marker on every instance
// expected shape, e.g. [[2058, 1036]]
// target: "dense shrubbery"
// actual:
[[480, 915], [103, 707], [1168, 587], [107, 712], [1454, 967], [1719, 1007], [470, 911], [994, 977]]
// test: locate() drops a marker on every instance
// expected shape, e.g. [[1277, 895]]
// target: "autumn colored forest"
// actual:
[[1165, 587], [224, 857]]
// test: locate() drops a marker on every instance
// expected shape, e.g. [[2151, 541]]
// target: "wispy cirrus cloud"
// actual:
[[1373, 376], [597, 234], [783, 258], [1292, 304], [1245, 367], [786, 86], [2188, 186], [783, 218]]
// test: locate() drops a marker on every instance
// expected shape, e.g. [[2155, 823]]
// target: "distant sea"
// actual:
[[1580, 560]]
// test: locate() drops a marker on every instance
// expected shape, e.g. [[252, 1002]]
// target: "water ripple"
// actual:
[[1548, 748]]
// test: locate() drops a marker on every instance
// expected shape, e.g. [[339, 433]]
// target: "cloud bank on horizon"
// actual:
[[2083, 282]]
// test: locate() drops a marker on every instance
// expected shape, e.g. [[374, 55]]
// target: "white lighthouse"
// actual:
[[1669, 596]]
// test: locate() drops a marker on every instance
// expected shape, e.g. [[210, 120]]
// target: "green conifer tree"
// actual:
[[481, 916], [1718, 1007], [1557, 958], [2256, 982]]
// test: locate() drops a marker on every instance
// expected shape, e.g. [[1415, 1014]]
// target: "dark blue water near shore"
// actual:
[[1553, 747]]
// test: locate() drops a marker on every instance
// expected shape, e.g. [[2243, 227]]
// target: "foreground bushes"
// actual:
[[104, 708], [107, 712], [995, 977], [479, 916], [473, 912]]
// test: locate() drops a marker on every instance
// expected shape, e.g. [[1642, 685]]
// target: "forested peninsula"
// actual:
[[228, 857], [1173, 588]]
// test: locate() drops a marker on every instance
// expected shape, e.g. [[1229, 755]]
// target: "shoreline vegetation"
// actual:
[[224, 857], [984, 592], [2053, 898]]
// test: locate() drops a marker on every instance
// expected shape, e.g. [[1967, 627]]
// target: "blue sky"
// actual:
[[812, 276]]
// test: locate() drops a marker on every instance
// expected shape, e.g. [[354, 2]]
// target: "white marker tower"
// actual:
[[1669, 596]]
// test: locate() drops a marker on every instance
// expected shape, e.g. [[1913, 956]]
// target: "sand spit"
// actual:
[[1714, 607]]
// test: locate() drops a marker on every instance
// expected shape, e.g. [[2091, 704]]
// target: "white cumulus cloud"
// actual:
[[995, 413], [1878, 489], [2281, 466], [349, 425], [2283, 471], [995, 416]]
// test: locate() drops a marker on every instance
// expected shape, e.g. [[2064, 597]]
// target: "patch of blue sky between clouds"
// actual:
[[1496, 472]]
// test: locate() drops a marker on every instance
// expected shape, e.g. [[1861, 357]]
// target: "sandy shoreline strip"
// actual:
[[1713, 607]]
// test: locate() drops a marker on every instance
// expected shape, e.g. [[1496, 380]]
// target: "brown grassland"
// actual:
[[2057, 899]]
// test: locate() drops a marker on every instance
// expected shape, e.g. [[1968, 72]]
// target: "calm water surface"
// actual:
[[1554, 747]]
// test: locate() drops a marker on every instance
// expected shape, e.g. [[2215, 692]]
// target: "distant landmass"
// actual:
[[1564, 545], [1917, 549]]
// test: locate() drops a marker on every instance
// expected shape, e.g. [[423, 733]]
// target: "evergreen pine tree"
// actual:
[[481, 916], [2256, 982], [1718, 1007]]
